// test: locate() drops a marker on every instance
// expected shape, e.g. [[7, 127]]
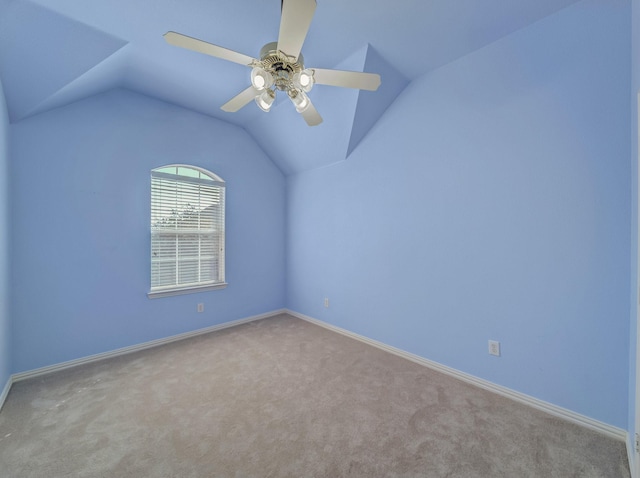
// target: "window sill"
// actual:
[[156, 294]]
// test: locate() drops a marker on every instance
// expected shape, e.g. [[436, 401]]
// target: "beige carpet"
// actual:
[[282, 398]]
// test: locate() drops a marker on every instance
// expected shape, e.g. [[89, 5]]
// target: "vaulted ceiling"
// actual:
[[55, 52]]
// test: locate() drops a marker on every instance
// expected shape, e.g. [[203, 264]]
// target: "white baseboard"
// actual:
[[5, 392], [555, 410], [631, 457], [135, 348]]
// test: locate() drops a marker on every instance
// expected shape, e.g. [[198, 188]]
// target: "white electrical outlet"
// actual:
[[494, 348], [326, 302], [201, 307]]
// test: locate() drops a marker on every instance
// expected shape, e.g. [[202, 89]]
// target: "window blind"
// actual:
[[187, 229]]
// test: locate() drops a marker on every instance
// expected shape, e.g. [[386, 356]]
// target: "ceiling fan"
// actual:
[[281, 65]]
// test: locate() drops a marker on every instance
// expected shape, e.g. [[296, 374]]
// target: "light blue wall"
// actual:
[[81, 185], [5, 324], [635, 90], [491, 201]]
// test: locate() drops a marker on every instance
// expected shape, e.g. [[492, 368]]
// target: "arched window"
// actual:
[[187, 230]]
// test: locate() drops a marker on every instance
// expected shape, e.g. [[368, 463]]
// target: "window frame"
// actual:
[[193, 287]]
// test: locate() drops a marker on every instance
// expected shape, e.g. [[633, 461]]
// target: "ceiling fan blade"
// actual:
[[183, 41], [240, 100], [347, 79], [311, 115], [294, 25]]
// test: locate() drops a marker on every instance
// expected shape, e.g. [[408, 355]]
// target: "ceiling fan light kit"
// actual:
[[281, 65], [304, 80], [261, 79], [265, 99], [300, 100]]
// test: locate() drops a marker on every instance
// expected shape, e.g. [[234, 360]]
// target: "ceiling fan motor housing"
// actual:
[[280, 66]]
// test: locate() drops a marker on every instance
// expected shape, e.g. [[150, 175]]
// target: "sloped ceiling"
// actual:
[[54, 52]]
